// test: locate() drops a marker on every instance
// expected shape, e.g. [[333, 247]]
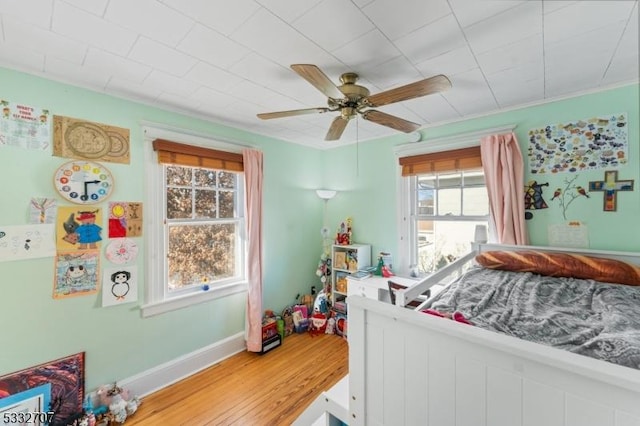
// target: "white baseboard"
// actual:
[[170, 372]]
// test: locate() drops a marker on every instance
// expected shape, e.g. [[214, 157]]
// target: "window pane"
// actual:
[[201, 253], [227, 203], [179, 203], [227, 180], [476, 201], [449, 201], [442, 242], [474, 178], [178, 176], [449, 180], [205, 203], [204, 177]]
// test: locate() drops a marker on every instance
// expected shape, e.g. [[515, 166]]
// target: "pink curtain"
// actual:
[[504, 175], [252, 160]]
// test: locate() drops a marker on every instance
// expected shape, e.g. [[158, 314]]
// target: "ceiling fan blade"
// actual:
[[389, 120], [424, 87], [291, 113], [320, 81], [337, 127]]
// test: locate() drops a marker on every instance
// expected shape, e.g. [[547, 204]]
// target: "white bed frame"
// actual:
[[409, 368]]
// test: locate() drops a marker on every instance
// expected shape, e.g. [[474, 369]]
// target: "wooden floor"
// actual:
[[251, 389]]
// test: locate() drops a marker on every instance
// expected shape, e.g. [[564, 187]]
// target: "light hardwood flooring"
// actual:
[[251, 389]]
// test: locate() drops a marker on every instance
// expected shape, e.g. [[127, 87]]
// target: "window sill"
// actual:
[[160, 307]]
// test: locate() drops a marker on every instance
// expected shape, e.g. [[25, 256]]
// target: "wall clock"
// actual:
[[83, 182]]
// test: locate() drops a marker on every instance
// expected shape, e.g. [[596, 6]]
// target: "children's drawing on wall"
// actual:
[[592, 143], [19, 242], [533, 197], [564, 197], [610, 187], [119, 285], [24, 126], [125, 219], [78, 228], [42, 210], [121, 251], [76, 274]]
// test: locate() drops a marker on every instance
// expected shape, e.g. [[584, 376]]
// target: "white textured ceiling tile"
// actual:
[[601, 42], [36, 12], [560, 81], [278, 78], [432, 40], [552, 6], [212, 47], [156, 55], [398, 18], [129, 90], [210, 76], [221, 15], [97, 7], [288, 10], [270, 100], [621, 69], [469, 92], [396, 72], [527, 92], [167, 25], [584, 16], [30, 37], [68, 72], [178, 101], [266, 34], [21, 59], [514, 24], [80, 25], [212, 98], [362, 3], [170, 84], [367, 51], [451, 62], [346, 26], [512, 77], [470, 12], [117, 65], [528, 50], [432, 108]]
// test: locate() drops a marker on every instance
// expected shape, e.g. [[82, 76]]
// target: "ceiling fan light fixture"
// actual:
[[352, 99]]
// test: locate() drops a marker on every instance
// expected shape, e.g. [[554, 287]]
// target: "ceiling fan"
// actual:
[[351, 99]]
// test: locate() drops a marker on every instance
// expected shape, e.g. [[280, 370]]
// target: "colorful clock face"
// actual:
[[83, 182]]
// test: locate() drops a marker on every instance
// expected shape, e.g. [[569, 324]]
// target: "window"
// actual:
[[197, 234], [442, 197], [447, 206]]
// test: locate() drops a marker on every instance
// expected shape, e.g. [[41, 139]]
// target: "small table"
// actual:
[[376, 287]]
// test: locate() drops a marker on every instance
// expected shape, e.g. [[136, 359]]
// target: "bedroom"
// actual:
[[119, 343]]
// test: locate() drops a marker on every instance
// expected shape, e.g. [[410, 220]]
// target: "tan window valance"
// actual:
[[441, 162], [195, 156]]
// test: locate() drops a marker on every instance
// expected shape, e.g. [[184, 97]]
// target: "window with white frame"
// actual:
[[197, 239], [447, 206], [443, 196]]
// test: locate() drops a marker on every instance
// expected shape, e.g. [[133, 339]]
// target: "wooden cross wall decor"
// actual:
[[610, 186]]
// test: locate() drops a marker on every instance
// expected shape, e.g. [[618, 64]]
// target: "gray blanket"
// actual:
[[583, 316]]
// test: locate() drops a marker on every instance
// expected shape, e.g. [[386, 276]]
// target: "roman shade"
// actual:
[[441, 162], [196, 156]]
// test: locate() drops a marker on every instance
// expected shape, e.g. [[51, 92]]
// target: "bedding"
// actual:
[[584, 316]]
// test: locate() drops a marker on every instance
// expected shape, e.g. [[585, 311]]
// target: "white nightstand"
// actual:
[[375, 287]]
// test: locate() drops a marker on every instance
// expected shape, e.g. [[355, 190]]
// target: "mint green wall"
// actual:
[[117, 341], [369, 195]]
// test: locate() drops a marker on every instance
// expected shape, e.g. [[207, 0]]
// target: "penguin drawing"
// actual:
[[120, 286]]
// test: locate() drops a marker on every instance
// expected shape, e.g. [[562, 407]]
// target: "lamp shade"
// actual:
[[326, 194], [480, 234]]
